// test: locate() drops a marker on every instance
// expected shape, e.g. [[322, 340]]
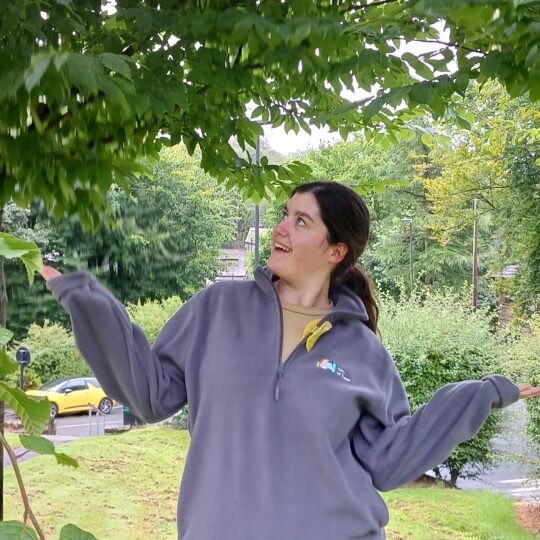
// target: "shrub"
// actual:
[[53, 354], [152, 315], [436, 340], [523, 365], [181, 418]]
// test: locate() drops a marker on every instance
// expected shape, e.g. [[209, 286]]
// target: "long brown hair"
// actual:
[[346, 218]]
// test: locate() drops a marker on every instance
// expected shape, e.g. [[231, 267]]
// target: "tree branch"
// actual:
[[455, 45], [238, 56], [354, 7], [27, 510]]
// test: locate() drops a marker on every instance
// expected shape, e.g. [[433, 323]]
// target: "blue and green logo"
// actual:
[[332, 367]]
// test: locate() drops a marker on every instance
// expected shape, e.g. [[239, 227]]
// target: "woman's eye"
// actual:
[[300, 221]]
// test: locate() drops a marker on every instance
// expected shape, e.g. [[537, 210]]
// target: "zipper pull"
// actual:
[[279, 377]]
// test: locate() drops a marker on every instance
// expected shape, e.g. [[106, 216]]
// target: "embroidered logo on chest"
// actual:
[[332, 367]]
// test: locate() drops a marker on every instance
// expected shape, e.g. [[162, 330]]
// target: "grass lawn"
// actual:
[[126, 488], [12, 440]]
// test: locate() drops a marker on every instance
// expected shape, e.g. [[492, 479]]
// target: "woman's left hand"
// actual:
[[527, 391]]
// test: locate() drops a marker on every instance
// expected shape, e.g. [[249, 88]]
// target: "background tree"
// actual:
[[166, 240], [494, 162], [391, 181]]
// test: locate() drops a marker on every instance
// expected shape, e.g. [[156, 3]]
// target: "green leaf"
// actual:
[[421, 93], [82, 71], [258, 111], [425, 138], [144, 20], [491, 64], [115, 62], [36, 72], [5, 336], [41, 445], [12, 247], [242, 28], [461, 122], [60, 59], [72, 532], [15, 530], [422, 69], [300, 33], [372, 108], [7, 365], [462, 82], [34, 414]]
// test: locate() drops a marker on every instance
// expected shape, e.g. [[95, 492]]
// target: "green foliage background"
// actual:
[[435, 339], [523, 364]]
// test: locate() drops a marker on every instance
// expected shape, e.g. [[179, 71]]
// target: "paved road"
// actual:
[[512, 476], [72, 427]]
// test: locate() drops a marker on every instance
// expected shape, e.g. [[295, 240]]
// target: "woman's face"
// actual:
[[300, 246]]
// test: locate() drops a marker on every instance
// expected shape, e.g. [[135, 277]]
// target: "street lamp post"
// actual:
[[257, 250], [23, 358], [409, 220]]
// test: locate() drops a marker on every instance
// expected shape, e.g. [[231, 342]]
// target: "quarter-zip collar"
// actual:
[[347, 304]]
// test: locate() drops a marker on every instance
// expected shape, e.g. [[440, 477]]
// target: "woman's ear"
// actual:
[[338, 252]]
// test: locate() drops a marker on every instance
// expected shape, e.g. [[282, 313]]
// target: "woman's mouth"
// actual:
[[281, 248]]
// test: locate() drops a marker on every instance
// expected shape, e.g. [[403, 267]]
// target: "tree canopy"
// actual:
[[91, 88]]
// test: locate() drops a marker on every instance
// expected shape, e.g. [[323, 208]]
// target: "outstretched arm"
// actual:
[[148, 379], [397, 447]]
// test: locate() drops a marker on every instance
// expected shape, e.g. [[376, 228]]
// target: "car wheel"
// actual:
[[105, 405], [54, 410]]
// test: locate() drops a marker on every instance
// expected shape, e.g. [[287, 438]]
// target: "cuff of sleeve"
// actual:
[[60, 285], [508, 391]]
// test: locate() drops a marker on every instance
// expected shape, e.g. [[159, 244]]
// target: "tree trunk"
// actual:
[[454, 476]]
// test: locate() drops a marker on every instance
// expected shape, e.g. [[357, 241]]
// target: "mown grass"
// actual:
[[12, 439], [126, 488]]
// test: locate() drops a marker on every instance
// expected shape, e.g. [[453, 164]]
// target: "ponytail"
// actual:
[[346, 218], [359, 282]]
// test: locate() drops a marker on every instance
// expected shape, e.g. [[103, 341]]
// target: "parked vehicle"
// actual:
[[74, 394]]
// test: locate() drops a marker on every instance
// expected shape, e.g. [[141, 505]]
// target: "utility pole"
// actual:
[[475, 255]]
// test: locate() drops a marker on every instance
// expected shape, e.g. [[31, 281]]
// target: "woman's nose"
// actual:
[[281, 227]]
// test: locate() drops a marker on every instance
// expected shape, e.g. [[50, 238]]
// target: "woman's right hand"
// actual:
[[48, 272]]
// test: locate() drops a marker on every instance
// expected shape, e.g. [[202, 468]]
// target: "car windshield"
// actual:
[[53, 386]]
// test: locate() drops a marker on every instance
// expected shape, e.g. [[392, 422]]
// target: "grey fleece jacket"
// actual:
[[278, 452]]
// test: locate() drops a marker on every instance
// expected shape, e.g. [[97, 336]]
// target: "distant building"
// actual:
[[249, 242], [234, 260], [234, 263]]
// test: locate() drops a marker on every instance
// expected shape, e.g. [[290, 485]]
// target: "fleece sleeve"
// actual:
[[150, 380], [397, 447]]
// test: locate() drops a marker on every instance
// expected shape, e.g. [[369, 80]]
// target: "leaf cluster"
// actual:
[[92, 90]]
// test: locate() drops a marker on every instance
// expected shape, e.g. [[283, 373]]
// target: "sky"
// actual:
[[291, 143]]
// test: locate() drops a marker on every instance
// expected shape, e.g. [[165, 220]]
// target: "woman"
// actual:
[[294, 424]]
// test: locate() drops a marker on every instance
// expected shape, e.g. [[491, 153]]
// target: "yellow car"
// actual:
[[74, 395]]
